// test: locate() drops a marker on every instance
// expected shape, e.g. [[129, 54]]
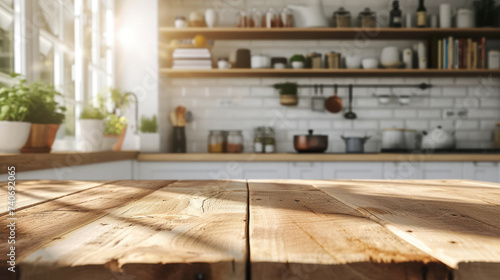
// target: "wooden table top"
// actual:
[[267, 229]]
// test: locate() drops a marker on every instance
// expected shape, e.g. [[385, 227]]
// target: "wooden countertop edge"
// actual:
[[31, 162], [316, 157]]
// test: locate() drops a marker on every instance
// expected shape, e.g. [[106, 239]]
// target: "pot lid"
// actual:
[[311, 134]]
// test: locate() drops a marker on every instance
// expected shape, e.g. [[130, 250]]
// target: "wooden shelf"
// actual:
[[261, 73], [234, 33]]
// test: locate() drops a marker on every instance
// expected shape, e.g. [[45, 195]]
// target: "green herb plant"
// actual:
[[298, 57], [15, 101], [149, 125], [114, 125], [92, 113], [287, 88], [44, 108], [113, 103]]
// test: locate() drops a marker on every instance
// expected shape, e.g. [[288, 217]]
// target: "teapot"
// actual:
[[309, 16], [438, 139]]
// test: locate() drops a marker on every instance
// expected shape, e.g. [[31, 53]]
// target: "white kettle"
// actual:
[[438, 139], [309, 16]]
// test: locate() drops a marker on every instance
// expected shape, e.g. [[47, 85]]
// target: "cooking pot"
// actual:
[[438, 139], [355, 145], [393, 139], [310, 143]]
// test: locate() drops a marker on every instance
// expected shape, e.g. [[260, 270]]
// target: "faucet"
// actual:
[[136, 108]]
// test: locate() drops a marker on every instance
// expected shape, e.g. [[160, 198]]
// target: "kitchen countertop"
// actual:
[[272, 229], [292, 157], [30, 162]]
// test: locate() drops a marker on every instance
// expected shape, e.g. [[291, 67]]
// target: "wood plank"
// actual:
[[234, 33], [456, 223], [298, 232], [185, 229], [292, 157], [30, 162], [213, 73], [29, 193], [43, 223]]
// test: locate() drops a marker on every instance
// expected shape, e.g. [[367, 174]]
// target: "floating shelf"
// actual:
[[387, 73], [355, 33]]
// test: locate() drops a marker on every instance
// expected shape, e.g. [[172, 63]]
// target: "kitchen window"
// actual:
[[6, 40]]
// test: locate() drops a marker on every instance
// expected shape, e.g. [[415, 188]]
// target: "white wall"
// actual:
[[137, 56]]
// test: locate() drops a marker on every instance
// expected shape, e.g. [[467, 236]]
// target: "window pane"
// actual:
[[6, 42], [48, 19], [46, 60], [69, 29], [9, 3]]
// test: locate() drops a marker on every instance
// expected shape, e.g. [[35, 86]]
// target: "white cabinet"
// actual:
[[482, 171], [353, 170], [118, 170], [404, 170], [441, 170], [212, 170], [305, 170]]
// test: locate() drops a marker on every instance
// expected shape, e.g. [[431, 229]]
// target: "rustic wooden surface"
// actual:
[[275, 229], [30, 162]]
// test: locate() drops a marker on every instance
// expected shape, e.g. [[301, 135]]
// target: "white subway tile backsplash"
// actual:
[[320, 124], [484, 114], [391, 124], [405, 114], [454, 91], [417, 124], [429, 114], [442, 102], [358, 124]]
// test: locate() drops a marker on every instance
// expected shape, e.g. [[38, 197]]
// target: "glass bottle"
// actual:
[[421, 15], [396, 15]]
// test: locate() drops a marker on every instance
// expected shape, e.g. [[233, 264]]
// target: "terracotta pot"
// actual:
[[41, 138], [114, 142]]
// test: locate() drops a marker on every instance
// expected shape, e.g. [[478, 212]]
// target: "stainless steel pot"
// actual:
[[355, 145]]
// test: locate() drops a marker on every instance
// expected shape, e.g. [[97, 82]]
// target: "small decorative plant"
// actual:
[[149, 125], [114, 124], [288, 93], [91, 113], [298, 58], [15, 101]]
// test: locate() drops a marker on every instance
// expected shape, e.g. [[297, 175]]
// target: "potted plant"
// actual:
[[150, 138], [113, 105], [298, 61], [288, 93], [91, 130], [14, 105], [46, 115]]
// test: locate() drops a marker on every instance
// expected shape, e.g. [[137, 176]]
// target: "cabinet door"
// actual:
[[482, 171], [404, 170], [353, 170], [305, 170], [263, 170], [442, 170], [185, 171]]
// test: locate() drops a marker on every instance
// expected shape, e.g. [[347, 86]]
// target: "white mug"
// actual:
[[445, 15], [223, 64]]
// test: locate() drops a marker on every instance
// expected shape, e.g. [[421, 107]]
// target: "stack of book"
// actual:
[[192, 58], [452, 53]]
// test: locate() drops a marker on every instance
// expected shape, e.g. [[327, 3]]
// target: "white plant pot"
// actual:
[[91, 135], [13, 136], [211, 18], [150, 142], [108, 142]]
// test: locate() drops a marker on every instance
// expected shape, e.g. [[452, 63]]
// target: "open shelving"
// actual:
[[234, 33]]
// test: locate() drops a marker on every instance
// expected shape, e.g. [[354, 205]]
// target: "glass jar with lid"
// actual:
[[367, 18], [342, 18], [216, 141], [258, 140], [234, 141]]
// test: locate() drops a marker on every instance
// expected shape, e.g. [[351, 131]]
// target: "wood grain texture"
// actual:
[[185, 229], [454, 222], [233, 33], [299, 232], [291, 157], [223, 73], [43, 223], [30, 162], [31, 193]]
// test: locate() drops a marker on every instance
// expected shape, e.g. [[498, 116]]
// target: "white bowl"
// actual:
[[13, 136], [297, 64], [370, 63]]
